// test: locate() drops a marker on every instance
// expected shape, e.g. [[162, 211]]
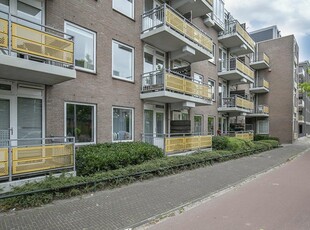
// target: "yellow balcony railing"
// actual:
[[244, 34], [245, 69], [266, 58], [42, 44], [243, 103], [180, 144], [210, 2], [3, 33], [266, 84], [40, 158], [172, 81], [266, 109], [245, 136], [182, 85], [4, 170], [185, 28]]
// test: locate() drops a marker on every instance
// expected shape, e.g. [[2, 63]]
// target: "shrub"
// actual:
[[110, 156], [259, 137], [273, 143], [219, 142], [236, 144]]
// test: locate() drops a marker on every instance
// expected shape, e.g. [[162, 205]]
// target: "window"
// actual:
[[122, 61], [80, 122], [263, 127], [198, 78], [125, 7], [213, 54], [211, 126], [84, 47], [122, 124], [198, 124], [211, 84]]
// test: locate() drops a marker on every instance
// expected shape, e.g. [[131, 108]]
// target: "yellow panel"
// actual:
[[33, 159], [41, 44], [210, 2], [3, 33], [266, 58], [4, 171], [245, 35], [187, 29], [179, 144], [266, 84]]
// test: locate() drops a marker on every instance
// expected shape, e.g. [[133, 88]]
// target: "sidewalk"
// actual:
[[276, 200], [133, 205]]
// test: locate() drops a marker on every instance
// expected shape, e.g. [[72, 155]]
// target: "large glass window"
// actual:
[[123, 61], [84, 47], [29, 120], [80, 122], [211, 85], [263, 127], [211, 126], [126, 7], [198, 124], [122, 124], [32, 10]]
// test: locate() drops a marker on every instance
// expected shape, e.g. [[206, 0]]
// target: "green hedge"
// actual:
[[260, 137], [110, 156], [231, 144]]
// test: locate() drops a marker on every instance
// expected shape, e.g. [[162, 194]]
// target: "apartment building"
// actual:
[[171, 73], [276, 85], [304, 101]]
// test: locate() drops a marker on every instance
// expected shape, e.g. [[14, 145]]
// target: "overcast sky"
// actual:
[[291, 17]]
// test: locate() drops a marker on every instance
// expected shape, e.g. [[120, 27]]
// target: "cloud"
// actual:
[[291, 17]]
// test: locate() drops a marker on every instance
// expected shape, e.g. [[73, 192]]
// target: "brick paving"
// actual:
[[134, 204]]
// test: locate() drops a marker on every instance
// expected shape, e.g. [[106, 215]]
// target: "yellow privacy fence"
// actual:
[[240, 102], [245, 136], [39, 158], [179, 144], [3, 33], [245, 35], [39, 43], [4, 171], [244, 69], [183, 85], [185, 28]]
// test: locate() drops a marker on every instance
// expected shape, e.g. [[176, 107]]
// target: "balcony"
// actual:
[[301, 119], [260, 61], [236, 104], [261, 87], [170, 87], [237, 39], [236, 71], [301, 72], [33, 55], [29, 159], [260, 111], [169, 31], [177, 143], [248, 135], [197, 7], [301, 104]]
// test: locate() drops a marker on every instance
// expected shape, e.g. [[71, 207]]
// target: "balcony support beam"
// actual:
[[185, 51]]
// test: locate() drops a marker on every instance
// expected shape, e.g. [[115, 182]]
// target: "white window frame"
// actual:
[[212, 60], [214, 90], [132, 123], [258, 131], [133, 9], [95, 121], [214, 133], [132, 62], [94, 45]]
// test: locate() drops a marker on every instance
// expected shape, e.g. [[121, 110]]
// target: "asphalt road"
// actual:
[[277, 200]]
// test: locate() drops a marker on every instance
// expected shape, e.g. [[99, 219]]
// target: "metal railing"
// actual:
[[175, 82], [257, 57], [235, 27], [262, 109], [28, 157], [301, 118], [165, 15], [237, 101], [301, 103], [26, 38], [235, 64], [178, 142], [261, 83]]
